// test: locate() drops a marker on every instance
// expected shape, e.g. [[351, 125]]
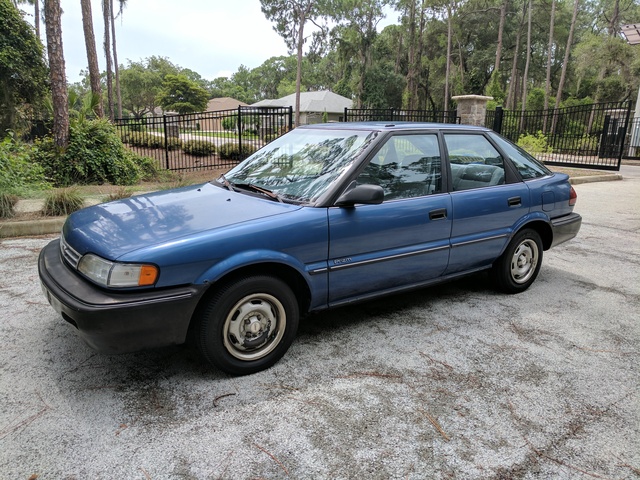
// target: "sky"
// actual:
[[210, 37]]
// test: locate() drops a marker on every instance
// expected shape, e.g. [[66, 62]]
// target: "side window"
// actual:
[[528, 166], [474, 162], [406, 166]]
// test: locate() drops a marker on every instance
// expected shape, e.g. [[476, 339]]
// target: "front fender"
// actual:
[[314, 275]]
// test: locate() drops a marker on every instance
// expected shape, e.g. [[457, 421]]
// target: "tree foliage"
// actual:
[[23, 74], [179, 94]]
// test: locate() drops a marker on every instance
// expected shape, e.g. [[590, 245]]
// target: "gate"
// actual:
[[584, 136]]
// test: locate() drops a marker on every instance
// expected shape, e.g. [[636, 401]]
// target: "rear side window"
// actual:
[[474, 162], [528, 166]]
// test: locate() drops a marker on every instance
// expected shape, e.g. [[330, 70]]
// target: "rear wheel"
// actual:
[[248, 325], [519, 265]]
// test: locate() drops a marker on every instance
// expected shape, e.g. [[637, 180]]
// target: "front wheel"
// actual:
[[520, 263], [248, 325]]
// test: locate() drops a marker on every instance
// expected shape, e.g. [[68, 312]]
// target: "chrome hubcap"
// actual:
[[524, 261], [254, 326]]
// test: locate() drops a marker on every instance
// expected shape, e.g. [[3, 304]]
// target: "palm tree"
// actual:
[[92, 55], [116, 67], [36, 12], [53, 24], [110, 34], [106, 13]]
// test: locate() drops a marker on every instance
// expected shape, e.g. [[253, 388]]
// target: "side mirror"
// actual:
[[363, 194]]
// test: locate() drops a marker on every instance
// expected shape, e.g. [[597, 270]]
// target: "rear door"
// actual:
[[487, 201], [403, 241]]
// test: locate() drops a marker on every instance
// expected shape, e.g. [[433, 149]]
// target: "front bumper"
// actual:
[[565, 228], [116, 322]]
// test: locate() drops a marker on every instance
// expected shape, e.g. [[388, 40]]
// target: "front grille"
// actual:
[[69, 254]]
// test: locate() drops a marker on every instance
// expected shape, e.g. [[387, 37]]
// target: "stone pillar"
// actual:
[[472, 109]]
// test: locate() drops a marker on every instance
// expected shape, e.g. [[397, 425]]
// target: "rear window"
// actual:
[[528, 166]]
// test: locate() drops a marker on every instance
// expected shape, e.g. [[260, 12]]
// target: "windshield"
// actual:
[[302, 164]]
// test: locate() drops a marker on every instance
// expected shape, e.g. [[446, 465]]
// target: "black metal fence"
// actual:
[[204, 140], [393, 115], [591, 136]]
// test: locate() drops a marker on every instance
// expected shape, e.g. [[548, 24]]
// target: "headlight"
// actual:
[[113, 274]]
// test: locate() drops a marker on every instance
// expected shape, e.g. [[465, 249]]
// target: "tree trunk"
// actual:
[[503, 16], [302, 19], [549, 55], [55, 54], [411, 71], [563, 75], [36, 16], [92, 55], [448, 60], [528, 62], [106, 13], [116, 67], [512, 95]]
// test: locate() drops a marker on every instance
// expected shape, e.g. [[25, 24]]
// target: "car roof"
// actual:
[[393, 126]]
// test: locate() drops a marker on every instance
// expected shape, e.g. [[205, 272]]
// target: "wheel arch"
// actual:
[[289, 275], [543, 229]]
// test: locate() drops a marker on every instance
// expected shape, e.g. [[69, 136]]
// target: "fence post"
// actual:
[[239, 125], [344, 119], [166, 144], [290, 118], [623, 134], [497, 119]]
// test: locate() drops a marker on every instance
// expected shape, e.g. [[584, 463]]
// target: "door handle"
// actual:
[[514, 201], [438, 214]]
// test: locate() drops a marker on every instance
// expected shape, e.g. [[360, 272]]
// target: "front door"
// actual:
[[405, 240]]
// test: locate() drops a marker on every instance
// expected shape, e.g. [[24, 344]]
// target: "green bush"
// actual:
[[230, 123], [231, 151], [144, 139], [95, 155], [63, 201], [148, 168], [534, 144], [18, 173], [200, 148]]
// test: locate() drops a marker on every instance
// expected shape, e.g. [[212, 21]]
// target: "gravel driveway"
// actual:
[[454, 381]]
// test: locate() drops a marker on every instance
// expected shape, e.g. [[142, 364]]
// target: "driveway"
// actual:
[[449, 382]]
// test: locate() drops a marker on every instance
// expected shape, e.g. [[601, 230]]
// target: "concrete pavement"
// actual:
[[454, 381]]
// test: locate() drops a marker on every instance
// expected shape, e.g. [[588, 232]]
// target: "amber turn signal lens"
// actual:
[[148, 275]]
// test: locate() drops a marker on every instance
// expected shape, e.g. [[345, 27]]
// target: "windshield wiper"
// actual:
[[225, 182], [264, 191]]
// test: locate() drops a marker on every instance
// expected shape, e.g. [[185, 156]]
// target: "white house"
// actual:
[[313, 105]]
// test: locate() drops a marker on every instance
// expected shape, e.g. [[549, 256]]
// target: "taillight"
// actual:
[[573, 197]]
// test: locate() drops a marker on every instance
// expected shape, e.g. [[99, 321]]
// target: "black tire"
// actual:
[[520, 263], [248, 325]]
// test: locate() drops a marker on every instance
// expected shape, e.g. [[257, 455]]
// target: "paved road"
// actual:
[[451, 382]]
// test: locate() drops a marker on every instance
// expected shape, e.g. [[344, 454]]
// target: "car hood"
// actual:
[[116, 228]]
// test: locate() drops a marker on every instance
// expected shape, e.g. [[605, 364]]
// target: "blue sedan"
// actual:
[[324, 216]]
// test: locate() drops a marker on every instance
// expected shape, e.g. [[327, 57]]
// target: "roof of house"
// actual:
[[321, 101], [224, 103]]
